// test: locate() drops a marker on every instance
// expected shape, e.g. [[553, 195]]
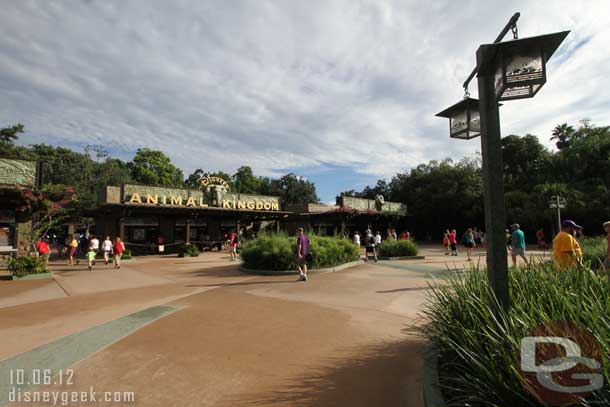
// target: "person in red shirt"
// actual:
[[233, 245], [453, 242], [119, 248], [43, 250]]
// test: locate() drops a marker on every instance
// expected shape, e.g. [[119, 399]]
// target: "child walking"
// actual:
[[91, 258]]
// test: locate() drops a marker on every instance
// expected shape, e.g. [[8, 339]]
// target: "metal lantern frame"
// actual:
[[520, 83], [469, 130]]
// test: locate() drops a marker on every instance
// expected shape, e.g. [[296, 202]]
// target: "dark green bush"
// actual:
[[278, 252], [477, 349], [127, 255], [188, 250], [24, 265], [398, 248], [594, 251]]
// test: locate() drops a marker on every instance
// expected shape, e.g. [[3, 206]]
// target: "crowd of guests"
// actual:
[[90, 247], [566, 249]]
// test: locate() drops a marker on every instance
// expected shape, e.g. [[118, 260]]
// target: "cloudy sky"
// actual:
[[341, 92]]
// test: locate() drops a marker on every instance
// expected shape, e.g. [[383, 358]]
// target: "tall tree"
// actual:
[[563, 134], [245, 182], [152, 167], [11, 134], [193, 179]]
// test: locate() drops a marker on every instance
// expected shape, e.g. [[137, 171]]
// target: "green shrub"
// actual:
[[477, 350], [594, 251], [24, 265], [127, 255], [398, 248], [188, 250], [278, 252]]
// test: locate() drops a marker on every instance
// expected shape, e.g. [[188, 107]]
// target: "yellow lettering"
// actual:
[[152, 199], [267, 206], [250, 205], [275, 206], [164, 200], [226, 203], [241, 205], [259, 205], [190, 201], [203, 205], [135, 198], [176, 200]]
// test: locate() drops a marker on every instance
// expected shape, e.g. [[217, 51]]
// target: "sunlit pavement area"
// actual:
[[198, 332]]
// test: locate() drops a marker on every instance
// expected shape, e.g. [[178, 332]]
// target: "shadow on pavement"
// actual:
[[379, 375]]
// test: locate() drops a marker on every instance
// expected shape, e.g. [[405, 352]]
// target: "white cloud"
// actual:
[[281, 84]]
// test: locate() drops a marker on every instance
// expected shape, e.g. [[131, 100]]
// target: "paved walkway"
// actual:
[[197, 332]]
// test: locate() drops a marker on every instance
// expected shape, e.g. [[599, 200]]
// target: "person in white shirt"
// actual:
[[377, 239], [107, 249], [357, 239], [94, 244]]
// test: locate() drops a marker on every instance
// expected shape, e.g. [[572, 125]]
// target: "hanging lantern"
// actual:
[[519, 66], [464, 119]]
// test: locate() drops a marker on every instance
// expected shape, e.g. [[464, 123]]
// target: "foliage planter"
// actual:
[[477, 342], [433, 396], [295, 272], [276, 253], [394, 249], [34, 276], [401, 258]]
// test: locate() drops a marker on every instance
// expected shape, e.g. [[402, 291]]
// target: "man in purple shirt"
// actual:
[[302, 248]]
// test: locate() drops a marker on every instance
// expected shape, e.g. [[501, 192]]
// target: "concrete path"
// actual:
[[343, 338]]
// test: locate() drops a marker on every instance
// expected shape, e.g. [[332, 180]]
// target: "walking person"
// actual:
[[377, 244], [73, 247], [453, 242], [233, 245], [369, 244], [42, 247], [564, 246], [357, 239], [118, 250], [107, 249], [302, 254], [477, 236], [518, 245], [91, 258], [469, 243], [94, 244], [540, 239], [607, 258], [446, 242]]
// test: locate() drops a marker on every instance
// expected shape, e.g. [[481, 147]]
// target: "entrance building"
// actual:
[[348, 216], [145, 216]]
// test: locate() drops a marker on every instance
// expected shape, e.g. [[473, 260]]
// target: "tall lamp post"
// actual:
[[558, 202], [514, 69]]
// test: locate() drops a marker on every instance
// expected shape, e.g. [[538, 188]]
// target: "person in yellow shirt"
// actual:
[[566, 249]]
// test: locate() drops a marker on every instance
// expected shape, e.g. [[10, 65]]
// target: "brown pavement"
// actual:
[[342, 338]]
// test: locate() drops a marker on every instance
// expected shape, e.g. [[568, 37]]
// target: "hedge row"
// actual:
[[277, 252]]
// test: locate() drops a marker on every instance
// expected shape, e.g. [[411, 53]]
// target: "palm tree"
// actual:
[[563, 134]]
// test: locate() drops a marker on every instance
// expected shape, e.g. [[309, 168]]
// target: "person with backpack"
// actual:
[[302, 254]]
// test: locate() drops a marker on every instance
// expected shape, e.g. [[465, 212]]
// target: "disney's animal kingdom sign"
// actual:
[[160, 196]]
